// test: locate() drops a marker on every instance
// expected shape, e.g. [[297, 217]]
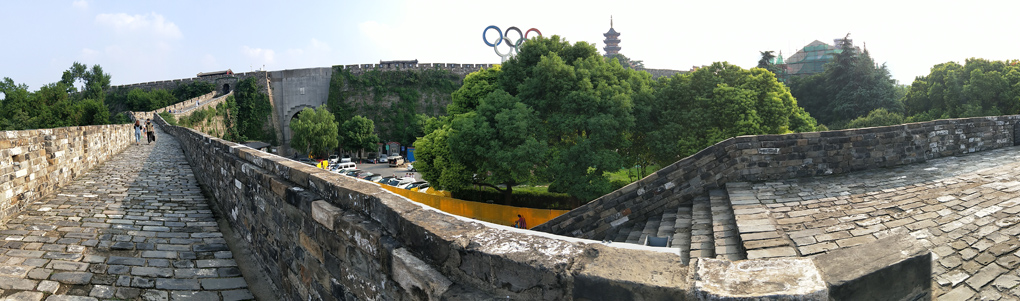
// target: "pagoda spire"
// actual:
[[612, 40]]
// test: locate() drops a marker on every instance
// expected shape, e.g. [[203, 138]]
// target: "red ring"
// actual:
[[530, 30]]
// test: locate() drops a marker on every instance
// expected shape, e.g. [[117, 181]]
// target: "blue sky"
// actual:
[[139, 41]]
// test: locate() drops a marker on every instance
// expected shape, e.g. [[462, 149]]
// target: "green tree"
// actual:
[[978, 88], [584, 106], [436, 161], [878, 117], [358, 133], [499, 143], [315, 131], [693, 111], [191, 90]]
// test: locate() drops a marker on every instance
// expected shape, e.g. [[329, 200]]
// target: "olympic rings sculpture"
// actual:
[[505, 36]]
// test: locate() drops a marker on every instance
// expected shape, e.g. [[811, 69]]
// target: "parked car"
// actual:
[[383, 180], [373, 178], [347, 165], [397, 182], [353, 172], [408, 186], [333, 159], [421, 188], [383, 158], [410, 167], [364, 175]]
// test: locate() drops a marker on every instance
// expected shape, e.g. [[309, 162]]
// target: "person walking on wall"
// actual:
[[520, 223], [149, 131], [138, 132]]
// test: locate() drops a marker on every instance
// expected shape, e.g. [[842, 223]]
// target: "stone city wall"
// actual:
[[218, 80], [769, 157], [319, 235], [189, 104], [35, 163], [458, 69], [657, 73]]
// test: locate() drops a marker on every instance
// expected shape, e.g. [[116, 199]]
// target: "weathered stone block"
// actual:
[[417, 277], [325, 214], [897, 267], [777, 278]]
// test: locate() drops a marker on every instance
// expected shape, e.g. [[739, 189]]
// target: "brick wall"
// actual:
[[768, 157], [34, 163]]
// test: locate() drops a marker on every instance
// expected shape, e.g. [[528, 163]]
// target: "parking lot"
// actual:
[[385, 170]]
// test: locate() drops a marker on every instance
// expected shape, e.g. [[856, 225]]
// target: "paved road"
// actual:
[[963, 208], [136, 227]]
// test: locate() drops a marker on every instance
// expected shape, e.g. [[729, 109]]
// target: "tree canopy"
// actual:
[[358, 133], [978, 88], [57, 104], [315, 131], [562, 114]]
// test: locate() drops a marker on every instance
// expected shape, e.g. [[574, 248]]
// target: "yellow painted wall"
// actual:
[[493, 213]]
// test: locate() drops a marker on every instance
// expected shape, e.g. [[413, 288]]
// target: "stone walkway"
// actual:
[[136, 228], [963, 208]]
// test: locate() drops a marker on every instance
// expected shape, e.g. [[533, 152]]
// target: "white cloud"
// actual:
[[261, 56], [151, 24], [81, 4]]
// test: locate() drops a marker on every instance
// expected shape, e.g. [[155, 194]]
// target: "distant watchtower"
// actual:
[[612, 40]]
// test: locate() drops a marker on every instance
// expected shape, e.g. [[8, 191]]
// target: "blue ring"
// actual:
[[498, 41]]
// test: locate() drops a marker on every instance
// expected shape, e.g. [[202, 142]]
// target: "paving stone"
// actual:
[[15, 271], [127, 293], [142, 282], [152, 272], [102, 291], [237, 295], [985, 275], [213, 263], [195, 273], [228, 272], [177, 284], [1006, 282], [160, 254], [72, 277], [70, 298], [48, 286], [154, 295], [68, 266], [193, 295], [223, 283], [9, 283], [125, 261], [25, 296]]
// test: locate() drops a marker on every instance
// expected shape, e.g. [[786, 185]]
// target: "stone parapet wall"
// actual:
[[458, 69], [769, 157], [217, 79], [319, 235], [35, 163], [190, 103], [657, 73]]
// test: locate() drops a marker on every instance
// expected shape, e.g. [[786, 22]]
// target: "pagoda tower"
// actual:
[[612, 40]]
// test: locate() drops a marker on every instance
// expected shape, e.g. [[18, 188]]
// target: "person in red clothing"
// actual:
[[520, 223]]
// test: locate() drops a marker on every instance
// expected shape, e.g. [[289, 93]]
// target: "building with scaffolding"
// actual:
[[811, 59]]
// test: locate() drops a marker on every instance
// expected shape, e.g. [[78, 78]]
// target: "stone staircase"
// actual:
[[704, 227]]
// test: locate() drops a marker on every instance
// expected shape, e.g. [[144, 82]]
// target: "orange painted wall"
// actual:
[[493, 213]]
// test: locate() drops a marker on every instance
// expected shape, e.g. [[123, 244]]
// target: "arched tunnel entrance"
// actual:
[[226, 88]]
